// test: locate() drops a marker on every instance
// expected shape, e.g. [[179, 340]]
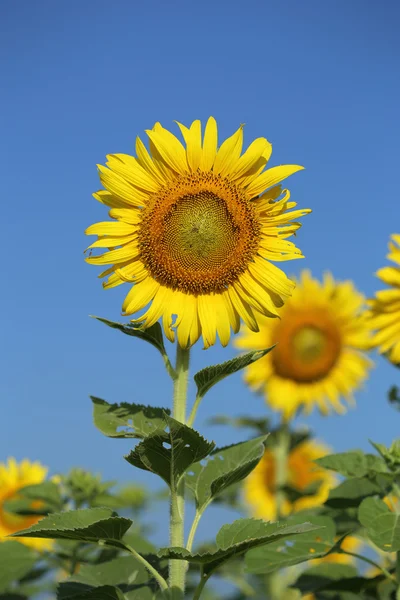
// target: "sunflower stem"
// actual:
[[281, 452], [177, 568], [275, 584]]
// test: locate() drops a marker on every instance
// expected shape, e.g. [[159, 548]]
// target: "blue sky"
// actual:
[[82, 79]]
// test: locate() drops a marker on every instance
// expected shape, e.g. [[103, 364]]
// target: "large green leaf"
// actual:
[[127, 420], [223, 468], [121, 570], [306, 546], [77, 591], [351, 491], [206, 378], [88, 525], [353, 464], [382, 525], [237, 538], [170, 453], [16, 560], [47, 493]]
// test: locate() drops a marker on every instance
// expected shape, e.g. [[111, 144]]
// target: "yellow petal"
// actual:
[[229, 153], [192, 138], [121, 188], [270, 178], [127, 215], [250, 157], [130, 169], [210, 143], [139, 296], [208, 320], [109, 228], [170, 149], [146, 161], [129, 251]]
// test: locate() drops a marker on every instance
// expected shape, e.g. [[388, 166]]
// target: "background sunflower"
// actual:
[[321, 339]]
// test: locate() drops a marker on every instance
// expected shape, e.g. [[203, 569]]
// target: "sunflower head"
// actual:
[[13, 477], [385, 307], [194, 228], [302, 474], [320, 355]]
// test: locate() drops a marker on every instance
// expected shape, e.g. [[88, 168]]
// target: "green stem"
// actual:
[[193, 529], [371, 562], [193, 412], [177, 568], [153, 572], [281, 452], [200, 587]]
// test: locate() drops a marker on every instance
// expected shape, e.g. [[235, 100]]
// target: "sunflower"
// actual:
[[303, 475], [13, 477], [385, 307], [195, 234], [321, 338]]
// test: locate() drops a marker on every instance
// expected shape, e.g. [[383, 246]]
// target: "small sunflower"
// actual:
[[13, 477], [303, 474], [321, 338], [385, 307], [194, 232]]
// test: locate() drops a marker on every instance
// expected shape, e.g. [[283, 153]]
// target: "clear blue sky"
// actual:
[[82, 79]]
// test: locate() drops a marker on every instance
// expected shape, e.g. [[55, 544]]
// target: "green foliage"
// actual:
[[354, 464], [315, 542], [237, 538], [83, 592], [224, 467], [382, 525], [38, 499], [16, 560], [352, 491], [127, 420], [170, 453], [208, 377], [88, 525]]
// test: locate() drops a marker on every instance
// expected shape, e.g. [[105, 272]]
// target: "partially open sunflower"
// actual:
[[194, 232]]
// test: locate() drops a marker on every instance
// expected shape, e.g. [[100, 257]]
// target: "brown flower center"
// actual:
[[309, 345], [198, 235]]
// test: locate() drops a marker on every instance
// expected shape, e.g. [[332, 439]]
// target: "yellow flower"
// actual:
[[303, 474], [194, 232], [13, 477], [319, 354], [385, 307]]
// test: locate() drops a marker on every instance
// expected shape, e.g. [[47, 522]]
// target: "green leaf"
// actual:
[[47, 493], [319, 577], [170, 453], [75, 591], [310, 544], [125, 570], [261, 424], [16, 561], [351, 491], [224, 467], [87, 525], [382, 525], [237, 538], [353, 464], [206, 378], [127, 420], [153, 335]]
